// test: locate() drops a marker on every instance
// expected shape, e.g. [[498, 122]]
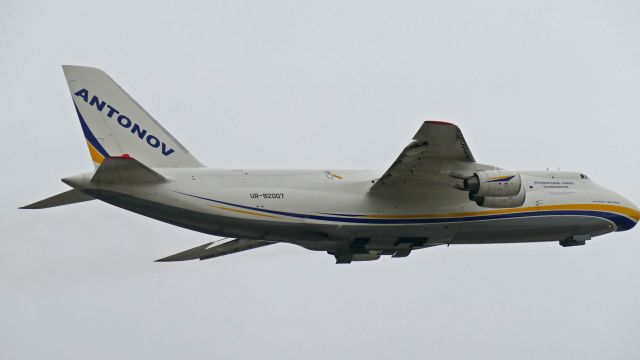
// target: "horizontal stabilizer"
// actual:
[[68, 197], [125, 169], [215, 249]]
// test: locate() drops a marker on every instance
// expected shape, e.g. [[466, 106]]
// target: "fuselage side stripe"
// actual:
[[244, 212], [630, 213], [601, 211]]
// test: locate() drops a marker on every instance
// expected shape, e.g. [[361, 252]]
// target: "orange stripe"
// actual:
[[245, 212], [95, 155]]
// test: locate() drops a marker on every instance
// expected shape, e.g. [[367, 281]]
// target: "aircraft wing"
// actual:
[[217, 248], [436, 148]]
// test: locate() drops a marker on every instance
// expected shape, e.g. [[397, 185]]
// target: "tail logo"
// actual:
[[124, 121]]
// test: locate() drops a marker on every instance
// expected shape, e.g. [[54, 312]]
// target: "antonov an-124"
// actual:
[[435, 193]]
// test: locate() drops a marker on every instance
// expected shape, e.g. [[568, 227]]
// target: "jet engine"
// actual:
[[498, 183], [501, 202], [495, 189]]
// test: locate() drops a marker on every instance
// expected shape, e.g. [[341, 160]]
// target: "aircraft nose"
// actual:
[[633, 213], [637, 211]]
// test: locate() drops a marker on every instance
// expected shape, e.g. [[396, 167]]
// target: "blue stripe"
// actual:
[[622, 222], [89, 135]]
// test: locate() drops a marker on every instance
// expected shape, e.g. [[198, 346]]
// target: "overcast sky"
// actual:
[[325, 84]]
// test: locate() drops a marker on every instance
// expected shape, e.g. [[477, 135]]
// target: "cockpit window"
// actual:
[[583, 176]]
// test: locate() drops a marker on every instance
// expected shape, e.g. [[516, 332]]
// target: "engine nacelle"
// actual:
[[493, 183], [502, 201]]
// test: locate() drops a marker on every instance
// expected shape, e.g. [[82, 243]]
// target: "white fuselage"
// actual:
[[321, 209], [433, 193]]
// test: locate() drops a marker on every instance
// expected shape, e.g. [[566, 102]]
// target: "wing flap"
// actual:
[[216, 249]]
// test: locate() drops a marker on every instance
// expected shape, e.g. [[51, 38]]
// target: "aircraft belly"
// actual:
[[530, 229]]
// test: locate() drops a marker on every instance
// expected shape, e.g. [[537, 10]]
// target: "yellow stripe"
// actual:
[[631, 213], [95, 155], [245, 212], [499, 177]]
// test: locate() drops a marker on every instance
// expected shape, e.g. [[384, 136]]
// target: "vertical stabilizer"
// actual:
[[114, 124]]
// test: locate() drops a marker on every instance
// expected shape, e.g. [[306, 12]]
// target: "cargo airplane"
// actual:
[[435, 193]]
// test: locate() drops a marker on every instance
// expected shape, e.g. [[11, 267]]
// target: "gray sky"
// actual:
[[290, 84]]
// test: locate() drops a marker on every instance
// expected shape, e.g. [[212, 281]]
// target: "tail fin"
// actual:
[[114, 124]]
